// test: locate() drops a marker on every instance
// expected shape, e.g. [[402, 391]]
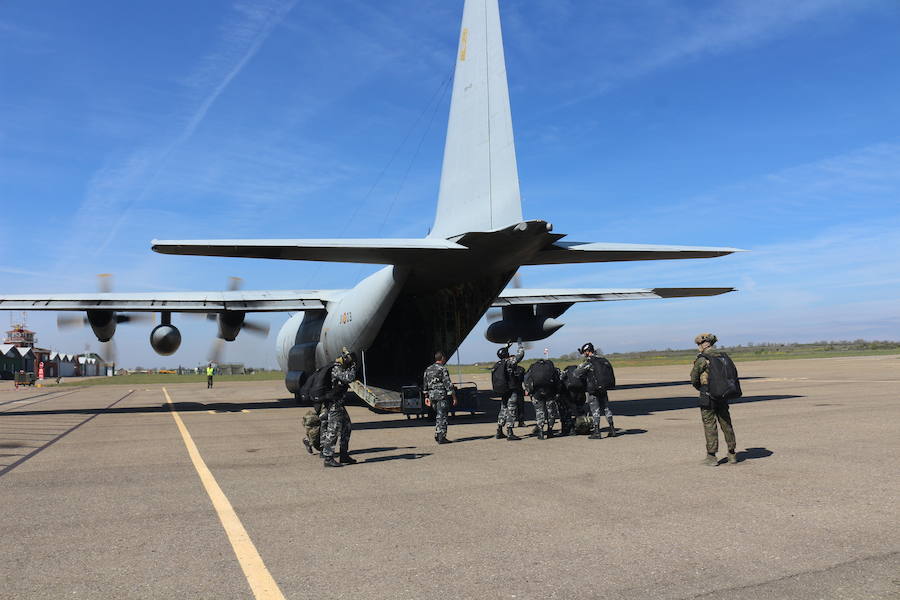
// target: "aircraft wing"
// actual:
[[397, 251], [521, 296], [580, 252], [202, 302]]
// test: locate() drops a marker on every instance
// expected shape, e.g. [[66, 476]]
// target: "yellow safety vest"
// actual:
[[209, 371]]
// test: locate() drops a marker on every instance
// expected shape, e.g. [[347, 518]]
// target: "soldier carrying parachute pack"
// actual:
[[599, 378], [541, 383]]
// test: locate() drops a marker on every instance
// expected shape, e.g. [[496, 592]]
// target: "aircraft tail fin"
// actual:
[[479, 180]]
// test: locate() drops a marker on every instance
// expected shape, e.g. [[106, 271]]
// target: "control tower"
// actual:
[[18, 334]]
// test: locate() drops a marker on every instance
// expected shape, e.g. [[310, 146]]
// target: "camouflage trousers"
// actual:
[[567, 412], [544, 408], [717, 412], [441, 408], [509, 408], [336, 423], [598, 404]]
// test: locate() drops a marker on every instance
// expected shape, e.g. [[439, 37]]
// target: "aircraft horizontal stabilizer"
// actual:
[[201, 302], [579, 252], [513, 297], [397, 251]]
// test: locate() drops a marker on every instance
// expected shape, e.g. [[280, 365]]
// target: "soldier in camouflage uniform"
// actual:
[[545, 411], [597, 403], [509, 402], [439, 393], [565, 405], [338, 420], [711, 409]]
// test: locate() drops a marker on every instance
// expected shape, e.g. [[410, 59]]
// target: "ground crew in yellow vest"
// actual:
[[210, 370], [711, 409]]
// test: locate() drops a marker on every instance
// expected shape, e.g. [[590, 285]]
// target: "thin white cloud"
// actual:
[[117, 187], [670, 34]]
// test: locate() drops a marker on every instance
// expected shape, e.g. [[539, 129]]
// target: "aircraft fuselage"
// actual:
[[399, 316]]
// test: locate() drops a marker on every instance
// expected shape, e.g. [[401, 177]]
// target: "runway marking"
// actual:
[[261, 582]]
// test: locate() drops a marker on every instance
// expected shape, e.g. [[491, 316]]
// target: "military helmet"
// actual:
[[706, 337], [503, 352], [588, 347], [346, 357]]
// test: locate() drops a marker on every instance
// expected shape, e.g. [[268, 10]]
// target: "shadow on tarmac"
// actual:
[[640, 386], [647, 406], [222, 407], [407, 456], [472, 438], [380, 449], [752, 453], [627, 408]]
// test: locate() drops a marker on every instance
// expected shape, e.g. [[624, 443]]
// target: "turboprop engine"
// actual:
[[528, 330], [103, 323], [296, 346], [527, 323]]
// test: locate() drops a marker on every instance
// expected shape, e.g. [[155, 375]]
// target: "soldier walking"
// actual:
[[439, 394], [596, 393], [337, 422], [711, 409], [514, 396]]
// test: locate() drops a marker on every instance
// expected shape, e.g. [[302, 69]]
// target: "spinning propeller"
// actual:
[[231, 323], [103, 322]]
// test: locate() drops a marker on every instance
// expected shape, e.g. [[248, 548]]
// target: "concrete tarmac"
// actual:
[[100, 498]]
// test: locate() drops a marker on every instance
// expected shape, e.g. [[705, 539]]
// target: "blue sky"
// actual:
[[772, 126]]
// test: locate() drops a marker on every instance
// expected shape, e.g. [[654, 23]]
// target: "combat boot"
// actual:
[[510, 436], [539, 432], [595, 434], [612, 428], [732, 458], [308, 446], [521, 424], [710, 460], [330, 462], [550, 433], [346, 459], [442, 439], [500, 435]]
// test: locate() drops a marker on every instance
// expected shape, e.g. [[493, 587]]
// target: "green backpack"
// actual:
[[584, 425], [313, 429]]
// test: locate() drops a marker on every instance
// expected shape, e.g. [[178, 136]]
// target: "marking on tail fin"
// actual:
[[464, 44]]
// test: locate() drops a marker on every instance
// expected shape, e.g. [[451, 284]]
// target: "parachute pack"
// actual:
[[573, 384], [516, 376], [317, 386], [601, 376], [499, 377], [724, 383], [541, 374]]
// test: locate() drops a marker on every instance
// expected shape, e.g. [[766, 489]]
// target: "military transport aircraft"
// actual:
[[434, 290]]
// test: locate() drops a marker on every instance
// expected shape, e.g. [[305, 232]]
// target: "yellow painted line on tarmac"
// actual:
[[261, 582]]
